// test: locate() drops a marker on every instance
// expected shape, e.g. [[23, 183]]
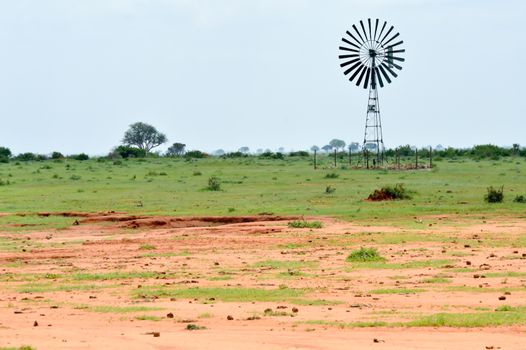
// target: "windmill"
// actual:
[[369, 57]]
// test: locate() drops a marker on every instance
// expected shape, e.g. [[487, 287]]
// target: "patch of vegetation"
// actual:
[[365, 255], [347, 324], [520, 198], [514, 316], [23, 347], [399, 266], [147, 318], [194, 327], [396, 291], [147, 247], [214, 184], [397, 191], [329, 189], [223, 294], [114, 275], [332, 176], [494, 195], [285, 264], [115, 309], [304, 224]]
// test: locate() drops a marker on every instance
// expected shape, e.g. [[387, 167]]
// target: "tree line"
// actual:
[[141, 138]]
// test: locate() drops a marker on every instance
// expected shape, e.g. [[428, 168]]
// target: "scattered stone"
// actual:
[[35, 324], [375, 340], [229, 317], [468, 263], [295, 310], [170, 315], [502, 298]]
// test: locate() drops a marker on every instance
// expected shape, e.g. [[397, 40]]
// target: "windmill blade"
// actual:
[[397, 58], [396, 44], [381, 31], [348, 56], [376, 29], [350, 43], [379, 76], [356, 73], [354, 38], [352, 68], [349, 62], [359, 82], [364, 33], [395, 65], [386, 76], [387, 34], [347, 49], [394, 37], [396, 51], [366, 83], [357, 32], [370, 33], [389, 70]]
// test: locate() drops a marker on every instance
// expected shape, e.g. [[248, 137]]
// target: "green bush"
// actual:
[[332, 176], [214, 184], [5, 152], [57, 155], [195, 154], [494, 195], [365, 255], [329, 189], [389, 193], [81, 156], [520, 199], [130, 152], [304, 224]]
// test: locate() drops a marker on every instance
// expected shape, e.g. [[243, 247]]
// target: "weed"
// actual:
[[390, 193], [304, 224], [494, 195], [214, 184], [332, 176], [365, 255], [147, 247]]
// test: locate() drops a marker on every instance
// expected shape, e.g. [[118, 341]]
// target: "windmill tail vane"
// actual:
[[368, 54]]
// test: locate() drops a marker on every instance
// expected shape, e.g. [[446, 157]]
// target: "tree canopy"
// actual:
[[144, 136]]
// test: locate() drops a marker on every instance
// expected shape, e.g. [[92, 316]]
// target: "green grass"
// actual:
[[147, 318], [286, 264], [55, 287], [105, 186], [363, 324], [396, 291], [365, 255], [116, 309], [222, 294], [399, 266], [506, 274], [516, 316], [23, 347], [114, 275], [304, 224]]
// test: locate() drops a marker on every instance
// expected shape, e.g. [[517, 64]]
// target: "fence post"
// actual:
[[350, 157], [416, 157], [315, 165], [367, 157], [335, 157], [430, 157]]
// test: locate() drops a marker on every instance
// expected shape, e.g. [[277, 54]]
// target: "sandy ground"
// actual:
[[42, 306]]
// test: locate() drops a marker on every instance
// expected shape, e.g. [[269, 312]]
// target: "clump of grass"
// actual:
[[332, 176], [214, 184], [520, 199], [75, 177], [197, 173], [397, 191], [194, 327], [147, 247], [304, 224], [494, 195], [365, 255], [147, 318]]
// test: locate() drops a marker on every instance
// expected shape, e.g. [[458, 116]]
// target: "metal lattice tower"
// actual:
[[369, 55], [373, 140]]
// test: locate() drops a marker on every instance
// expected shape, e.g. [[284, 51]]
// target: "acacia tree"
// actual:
[[327, 148], [314, 148], [177, 149], [144, 136], [336, 143], [244, 149]]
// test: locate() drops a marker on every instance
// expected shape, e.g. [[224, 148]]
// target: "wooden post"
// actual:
[[315, 165], [398, 158], [335, 153], [350, 157], [430, 157], [416, 157], [367, 157]]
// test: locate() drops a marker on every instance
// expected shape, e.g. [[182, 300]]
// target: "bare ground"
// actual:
[[42, 305]]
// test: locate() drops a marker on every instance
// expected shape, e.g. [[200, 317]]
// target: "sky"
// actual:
[[221, 74]]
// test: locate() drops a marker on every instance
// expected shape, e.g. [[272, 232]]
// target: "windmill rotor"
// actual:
[[368, 53]]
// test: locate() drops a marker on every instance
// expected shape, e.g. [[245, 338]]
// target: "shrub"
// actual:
[[195, 154], [81, 156], [130, 152], [197, 173], [214, 184], [234, 155], [365, 255], [28, 156], [304, 224], [299, 154], [75, 177], [5, 152], [329, 189], [494, 195], [520, 199], [270, 155], [390, 193], [194, 327], [4, 159], [332, 176], [57, 155]]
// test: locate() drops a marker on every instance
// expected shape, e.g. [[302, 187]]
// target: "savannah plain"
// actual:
[[139, 254]]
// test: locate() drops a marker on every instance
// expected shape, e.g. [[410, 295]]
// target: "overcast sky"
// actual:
[[264, 74]]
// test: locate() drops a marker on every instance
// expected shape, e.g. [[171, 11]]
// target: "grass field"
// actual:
[[251, 186]]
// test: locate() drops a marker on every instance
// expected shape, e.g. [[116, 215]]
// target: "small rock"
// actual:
[[502, 298], [295, 310], [170, 315], [229, 317], [35, 324], [156, 334], [468, 263]]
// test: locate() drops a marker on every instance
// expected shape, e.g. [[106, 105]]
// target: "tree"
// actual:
[[130, 152], [144, 136], [354, 147], [244, 149], [335, 143], [314, 148], [177, 149], [327, 148], [220, 152], [5, 152], [516, 148]]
